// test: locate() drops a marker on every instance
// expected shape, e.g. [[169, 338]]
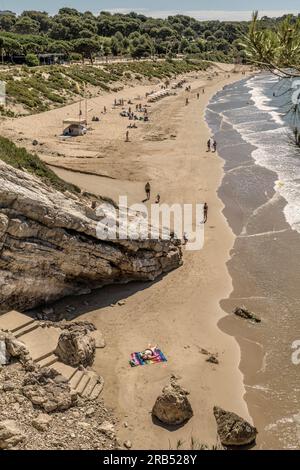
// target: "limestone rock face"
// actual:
[[54, 244], [10, 434], [41, 388], [76, 347], [232, 429], [172, 407]]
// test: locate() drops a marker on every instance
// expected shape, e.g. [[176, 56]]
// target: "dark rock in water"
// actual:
[[246, 314], [172, 407], [234, 430]]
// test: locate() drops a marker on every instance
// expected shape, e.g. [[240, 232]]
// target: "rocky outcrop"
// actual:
[[233, 430], [13, 348], [246, 314], [24, 426], [76, 347], [54, 244], [10, 434], [172, 407], [48, 390]]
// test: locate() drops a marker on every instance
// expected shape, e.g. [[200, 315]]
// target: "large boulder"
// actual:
[[10, 434], [76, 347], [52, 244], [172, 407], [233, 430], [43, 389]]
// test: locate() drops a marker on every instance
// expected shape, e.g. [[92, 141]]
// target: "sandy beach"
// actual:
[[181, 311]]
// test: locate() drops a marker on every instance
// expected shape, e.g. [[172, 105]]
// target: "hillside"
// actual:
[[39, 89]]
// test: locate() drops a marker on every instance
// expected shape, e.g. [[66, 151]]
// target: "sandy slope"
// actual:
[[181, 311]]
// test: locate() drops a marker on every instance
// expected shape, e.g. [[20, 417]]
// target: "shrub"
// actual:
[[32, 60]]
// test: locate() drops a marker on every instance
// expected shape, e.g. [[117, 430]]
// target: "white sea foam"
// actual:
[[262, 126]]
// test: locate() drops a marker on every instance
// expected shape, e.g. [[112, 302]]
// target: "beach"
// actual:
[[180, 312]]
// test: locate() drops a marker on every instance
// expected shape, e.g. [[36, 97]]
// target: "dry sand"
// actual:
[[180, 312]]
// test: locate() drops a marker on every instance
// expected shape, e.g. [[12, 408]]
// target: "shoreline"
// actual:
[[264, 272], [181, 312]]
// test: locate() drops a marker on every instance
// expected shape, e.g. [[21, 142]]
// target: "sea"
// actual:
[[254, 122]]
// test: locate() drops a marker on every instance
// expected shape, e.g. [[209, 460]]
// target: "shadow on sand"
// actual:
[[73, 306]]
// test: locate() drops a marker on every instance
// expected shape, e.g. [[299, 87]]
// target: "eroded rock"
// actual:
[[54, 245], [10, 434], [172, 407], [233, 430], [42, 390], [42, 422], [246, 314], [13, 348], [76, 347]]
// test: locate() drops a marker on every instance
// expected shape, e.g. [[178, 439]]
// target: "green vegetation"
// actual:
[[135, 35], [84, 35], [23, 160], [32, 60], [41, 88], [275, 48]]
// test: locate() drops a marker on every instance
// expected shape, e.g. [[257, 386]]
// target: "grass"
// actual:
[[39, 89], [194, 444], [18, 157]]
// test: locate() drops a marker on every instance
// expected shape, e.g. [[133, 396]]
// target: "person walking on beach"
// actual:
[[214, 146], [205, 212], [148, 190], [208, 145], [127, 136], [157, 200], [198, 96], [186, 101]]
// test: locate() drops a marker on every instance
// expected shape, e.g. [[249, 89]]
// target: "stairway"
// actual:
[[41, 344]]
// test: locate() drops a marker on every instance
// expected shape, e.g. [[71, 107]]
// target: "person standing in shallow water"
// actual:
[[148, 190]]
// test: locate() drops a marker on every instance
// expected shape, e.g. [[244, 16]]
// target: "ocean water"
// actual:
[[263, 121], [261, 194]]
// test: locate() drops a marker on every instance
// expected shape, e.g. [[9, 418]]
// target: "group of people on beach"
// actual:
[[211, 145]]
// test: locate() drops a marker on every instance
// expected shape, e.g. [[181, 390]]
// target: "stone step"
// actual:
[[76, 379], [48, 361], [67, 371], [13, 321], [41, 342], [26, 329], [90, 387], [96, 391], [43, 357], [82, 384]]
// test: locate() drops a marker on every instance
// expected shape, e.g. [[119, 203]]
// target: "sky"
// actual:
[[201, 9]]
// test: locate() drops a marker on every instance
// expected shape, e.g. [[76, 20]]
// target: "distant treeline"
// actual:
[[84, 35]]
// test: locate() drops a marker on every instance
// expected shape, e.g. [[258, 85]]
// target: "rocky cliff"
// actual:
[[50, 245]]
